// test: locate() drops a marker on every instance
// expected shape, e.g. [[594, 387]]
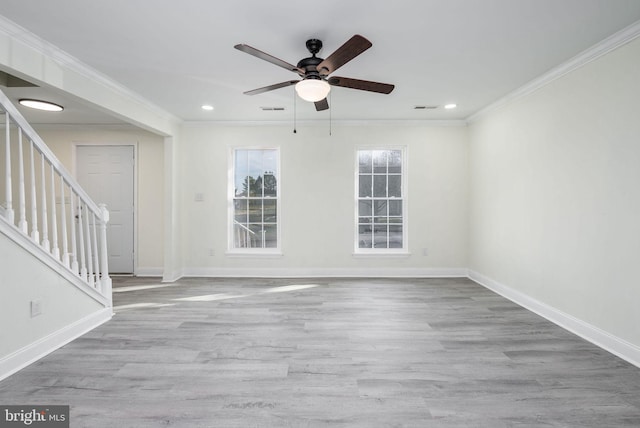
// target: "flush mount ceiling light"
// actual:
[[40, 105], [313, 90], [207, 107], [450, 106]]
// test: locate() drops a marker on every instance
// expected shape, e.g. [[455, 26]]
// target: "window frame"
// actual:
[[231, 196], [404, 250]]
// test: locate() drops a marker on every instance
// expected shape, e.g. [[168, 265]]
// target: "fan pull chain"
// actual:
[[294, 111], [330, 104]]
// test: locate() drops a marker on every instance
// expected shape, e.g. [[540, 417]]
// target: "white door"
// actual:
[[106, 174]]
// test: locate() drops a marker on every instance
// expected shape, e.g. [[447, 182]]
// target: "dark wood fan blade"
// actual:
[[363, 85], [345, 53], [271, 87], [269, 58], [322, 105]]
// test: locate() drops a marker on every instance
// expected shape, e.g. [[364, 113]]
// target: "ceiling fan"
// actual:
[[316, 83]]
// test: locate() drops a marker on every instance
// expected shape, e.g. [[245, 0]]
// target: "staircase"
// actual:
[[54, 275]]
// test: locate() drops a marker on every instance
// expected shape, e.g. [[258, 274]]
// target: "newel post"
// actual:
[[104, 255]]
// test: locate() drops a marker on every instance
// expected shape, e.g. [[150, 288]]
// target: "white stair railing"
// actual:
[[244, 237], [52, 209]]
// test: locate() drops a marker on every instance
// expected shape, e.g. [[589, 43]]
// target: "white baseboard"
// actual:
[[172, 276], [327, 272], [617, 346], [36, 350], [149, 271]]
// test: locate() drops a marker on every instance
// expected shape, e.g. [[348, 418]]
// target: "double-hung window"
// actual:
[[381, 213], [254, 200]]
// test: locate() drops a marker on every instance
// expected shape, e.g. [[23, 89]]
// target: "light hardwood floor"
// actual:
[[328, 353]]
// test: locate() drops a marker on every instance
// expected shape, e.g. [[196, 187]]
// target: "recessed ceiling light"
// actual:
[[450, 106], [40, 105], [207, 107]]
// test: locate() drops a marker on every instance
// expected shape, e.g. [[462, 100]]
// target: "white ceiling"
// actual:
[[180, 55]]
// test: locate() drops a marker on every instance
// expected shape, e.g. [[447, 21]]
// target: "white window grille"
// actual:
[[381, 213], [255, 200]]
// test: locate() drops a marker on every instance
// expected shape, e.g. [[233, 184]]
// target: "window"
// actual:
[[381, 222], [255, 199]]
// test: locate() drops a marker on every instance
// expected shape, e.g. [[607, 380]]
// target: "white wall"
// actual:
[[317, 191], [66, 311], [150, 180], [554, 197]]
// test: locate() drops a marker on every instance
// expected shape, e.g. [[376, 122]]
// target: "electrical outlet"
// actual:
[[198, 197], [36, 308]]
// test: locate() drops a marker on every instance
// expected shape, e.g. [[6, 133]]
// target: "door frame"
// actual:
[[74, 172]]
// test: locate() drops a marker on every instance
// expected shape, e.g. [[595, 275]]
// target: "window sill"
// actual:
[[254, 254], [381, 254]]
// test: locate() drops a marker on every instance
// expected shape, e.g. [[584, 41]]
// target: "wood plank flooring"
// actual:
[[328, 353]]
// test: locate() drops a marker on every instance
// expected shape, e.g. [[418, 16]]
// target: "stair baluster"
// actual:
[[38, 194]]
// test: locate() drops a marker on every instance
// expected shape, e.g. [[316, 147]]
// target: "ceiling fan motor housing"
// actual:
[[309, 65]]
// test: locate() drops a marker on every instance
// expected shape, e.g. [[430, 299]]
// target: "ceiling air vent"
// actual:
[[425, 107], [272, 108]]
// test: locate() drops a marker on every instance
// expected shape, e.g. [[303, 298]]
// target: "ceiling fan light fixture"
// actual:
[[40, 105], [313, 90]]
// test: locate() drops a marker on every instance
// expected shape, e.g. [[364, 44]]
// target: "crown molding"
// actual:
[[39, 127], [71, 63], [602, 48], [325, 123]]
